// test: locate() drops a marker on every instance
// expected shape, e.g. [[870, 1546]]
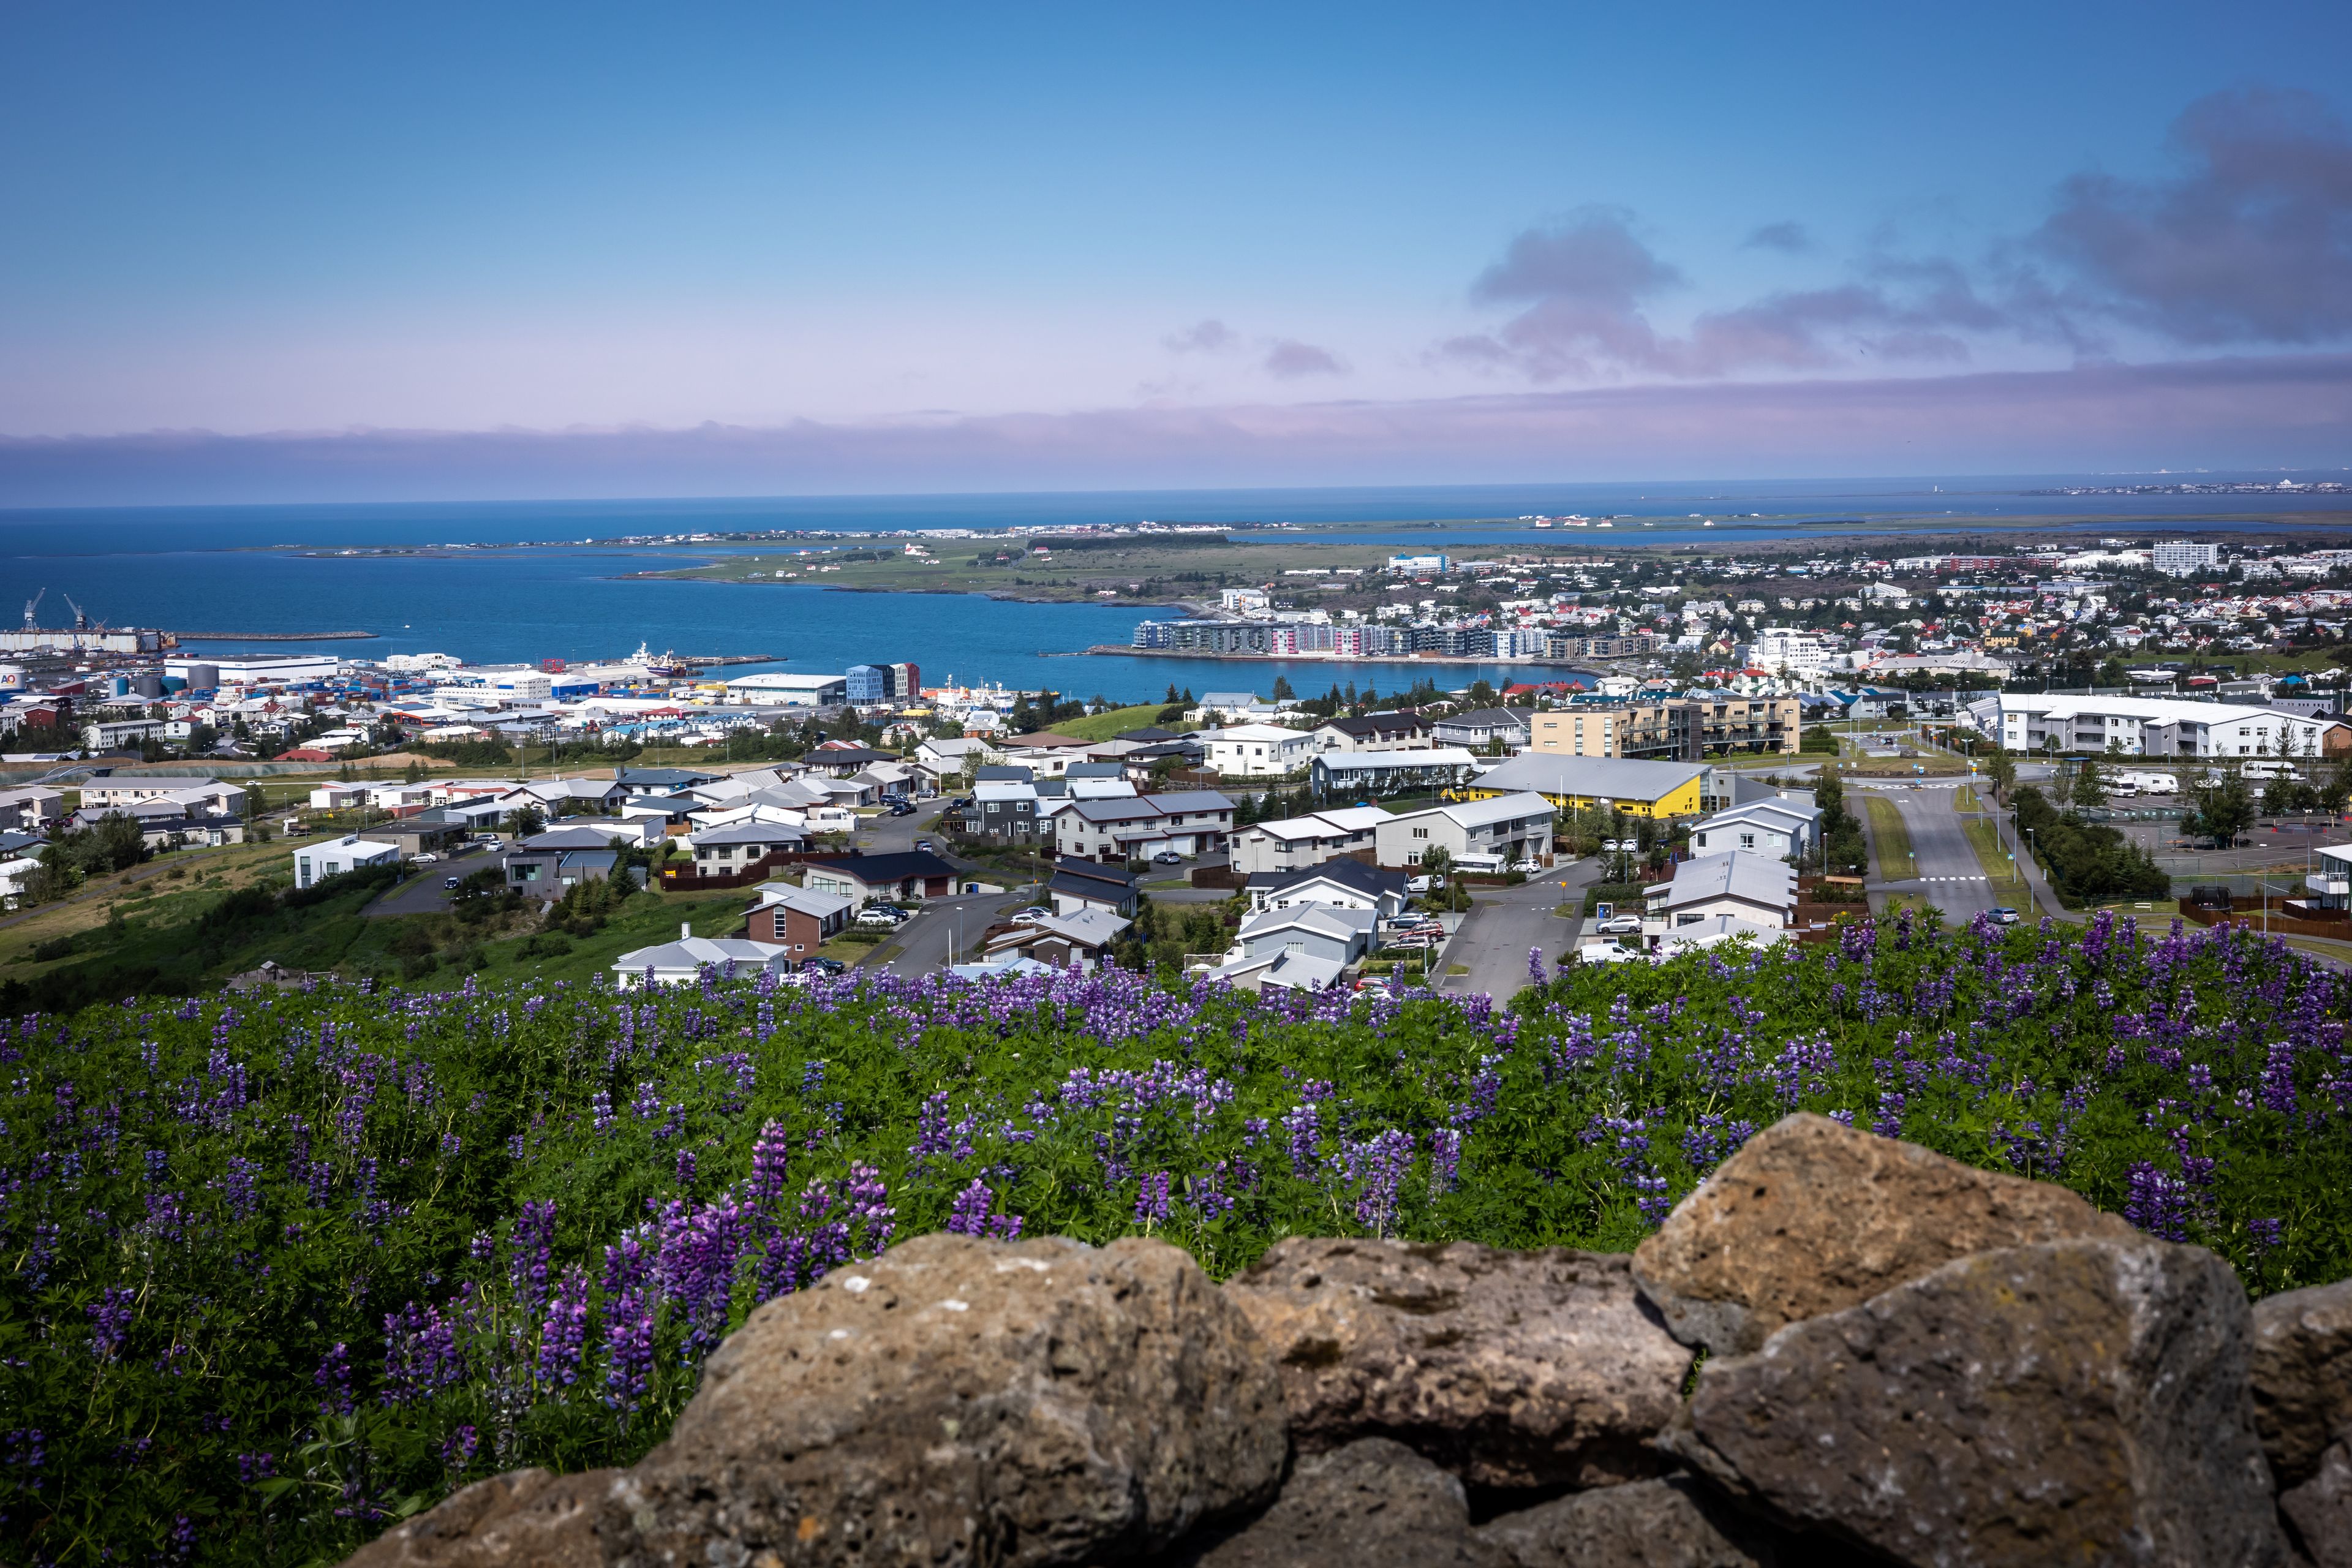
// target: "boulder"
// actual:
[[2319, 1511], [1669, 1522], [961, 1401], [1371, 1503], [1512, 1369], [524, 1519], [2303, 1376], [1810, 1216], [2080, 1402]]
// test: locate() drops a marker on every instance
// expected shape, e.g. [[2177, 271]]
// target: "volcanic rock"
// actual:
[[524, 1519], [2319, 1511], [1371, 1503], [1810, 1216], [2303, 1376], [2081, 1402], [1512, 1369], [1669, 1522], [961, 1401]]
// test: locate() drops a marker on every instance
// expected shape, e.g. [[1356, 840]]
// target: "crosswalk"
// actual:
[[1976, 878]]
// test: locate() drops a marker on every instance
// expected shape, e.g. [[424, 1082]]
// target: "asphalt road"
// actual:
[[1503, 924], [1949, 875], [422, 893], [948, 925]]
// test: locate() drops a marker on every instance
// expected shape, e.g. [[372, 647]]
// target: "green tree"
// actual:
[[2090, 789], [2223, 808], [2001, 769], [1282, 692]]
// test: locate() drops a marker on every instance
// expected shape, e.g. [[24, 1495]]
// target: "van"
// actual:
[[2273, 770], [1474, 861]]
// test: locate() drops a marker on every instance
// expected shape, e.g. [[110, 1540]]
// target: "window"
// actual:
[[1747, 841]]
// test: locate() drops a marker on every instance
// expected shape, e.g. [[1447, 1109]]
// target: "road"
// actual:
[[1504, 922], [1949, 875], [422, 893]]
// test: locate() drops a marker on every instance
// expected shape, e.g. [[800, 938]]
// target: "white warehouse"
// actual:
[[2150, 727]]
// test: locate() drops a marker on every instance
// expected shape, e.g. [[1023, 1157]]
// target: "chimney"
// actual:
[[685, 930]]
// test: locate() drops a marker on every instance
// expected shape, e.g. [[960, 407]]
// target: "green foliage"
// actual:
[[1818, 738], [2087, 861], [2222, 808]]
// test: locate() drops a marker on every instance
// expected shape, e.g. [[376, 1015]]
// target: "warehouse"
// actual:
[[1576, 783]]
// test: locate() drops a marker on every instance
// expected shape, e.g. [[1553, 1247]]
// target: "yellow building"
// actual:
[[1578, 783], [1679, 729]]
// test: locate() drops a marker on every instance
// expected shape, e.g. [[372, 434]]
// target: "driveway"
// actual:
[[422, 893], [1504, 923], [945, 925]]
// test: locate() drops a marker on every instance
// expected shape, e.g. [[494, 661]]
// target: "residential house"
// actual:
[[1483, 728], [1186, 822], [12, 873], [2153, 727], [1004, 811], [910, 876], [1310, 840], [1756, 888], [1091, 885], [945, 761], [1373, 732], [1258, 751], [546, 864], [1082, 937], [683, 961], [1508, 826], [1305, 947], [1341, 884], [191, 797], [560, 796], [798, 920], [733, 850], [30, 807], [1684, 729], [423, 832], [317, 862], [636, 783], [675, 813], [1784, 829], [1365, 775]]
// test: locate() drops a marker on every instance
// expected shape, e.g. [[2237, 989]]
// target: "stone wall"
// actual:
[[1839, 1350]]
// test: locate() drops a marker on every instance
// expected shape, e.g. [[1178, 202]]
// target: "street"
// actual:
[[422, 893], [1504, 923], [1949, 875]]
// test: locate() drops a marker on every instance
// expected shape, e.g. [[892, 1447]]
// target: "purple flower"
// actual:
[[971, 1216], [563, 1336], [110, 1321], [1151, 1201]]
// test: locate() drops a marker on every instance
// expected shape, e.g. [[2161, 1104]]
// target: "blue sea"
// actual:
[[237, 568]]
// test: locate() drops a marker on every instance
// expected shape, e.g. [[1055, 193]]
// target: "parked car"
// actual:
[[1422, 884], [451, 882], [880, 915], [900, 808], [1168, 857], [1416, 942], [1529, 866], [424, 858], [922, 844], [821, 965], [1621, 925], [491, 841], [1031, 915], [2004, 916]]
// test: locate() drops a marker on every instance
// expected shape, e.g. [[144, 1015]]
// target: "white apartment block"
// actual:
[[2148, 726], [1258, 751], [2179, 558], [1789, 650]]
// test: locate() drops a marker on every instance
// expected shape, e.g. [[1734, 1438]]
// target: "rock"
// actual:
[[961, 1401], [2320, 1510], [1670, 1523], [2303, 1376], [2080, 1402], [1810, 1216], [1513, 1369], [1370, 1504], [524, 1519]]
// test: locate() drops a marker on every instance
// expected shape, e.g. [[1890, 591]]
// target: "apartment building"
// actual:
[[2152, 726], [1679, 729]]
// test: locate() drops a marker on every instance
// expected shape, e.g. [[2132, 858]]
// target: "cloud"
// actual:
[[1201, 337], [1788, 237], [1290, 359], [2284, 410], [2251, 241]]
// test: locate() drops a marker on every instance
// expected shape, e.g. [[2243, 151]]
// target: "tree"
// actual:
[[2090, 789], [2225, 808], [2001, 769], [1282, 692], [524, 821]]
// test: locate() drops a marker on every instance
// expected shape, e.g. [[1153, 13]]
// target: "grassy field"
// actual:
[[1102, 726], [1890, 840], [1984, 839]]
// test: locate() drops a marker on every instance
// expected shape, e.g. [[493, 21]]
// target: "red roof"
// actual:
[[305, 754]]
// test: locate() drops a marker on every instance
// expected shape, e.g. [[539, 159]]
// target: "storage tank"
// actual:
[[147, 685]]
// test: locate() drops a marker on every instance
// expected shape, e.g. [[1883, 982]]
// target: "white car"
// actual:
[[1621, 925], [1419, 884], [425, 858], [880, 915], [1529, 866]]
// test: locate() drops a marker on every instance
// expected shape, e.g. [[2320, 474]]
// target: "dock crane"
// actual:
[[31, 605], [82, 617]]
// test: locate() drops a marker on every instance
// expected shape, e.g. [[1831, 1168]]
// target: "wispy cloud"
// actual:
[[1288, 360], [1788, 237], [1201, 337]]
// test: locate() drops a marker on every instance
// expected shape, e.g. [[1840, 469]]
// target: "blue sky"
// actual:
[[1074, 231]]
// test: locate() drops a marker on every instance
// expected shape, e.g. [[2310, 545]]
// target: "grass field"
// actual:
[[1102, 726], [1890, 840], [1984, 839]]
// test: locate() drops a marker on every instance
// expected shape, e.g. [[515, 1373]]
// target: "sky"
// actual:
[[260, 252]]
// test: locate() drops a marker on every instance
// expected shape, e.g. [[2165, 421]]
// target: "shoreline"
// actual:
[[1320, 657]]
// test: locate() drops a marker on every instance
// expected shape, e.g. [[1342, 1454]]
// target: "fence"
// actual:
[[2249, 912]]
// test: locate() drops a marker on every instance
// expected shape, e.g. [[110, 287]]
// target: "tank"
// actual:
[[147, 685]]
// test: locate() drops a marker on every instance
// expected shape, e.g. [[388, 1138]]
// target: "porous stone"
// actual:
[[1668, 1523], [2319, 1511], [2303, 1376], [524, 1519], [961, 1401], [1811, 1217], [1512, 1369], [2080, 1402], [1371, 1503]]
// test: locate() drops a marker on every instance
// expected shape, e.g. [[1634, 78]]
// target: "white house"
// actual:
[[1308, 945], [317, 862], [194, 796], [1373, 732], [1789, 650], [1258, 751], [1360, 773], [13, 874], [1785, 829], [23, 809], [1754, 888], [1512, 826], [1308, 840], [681, 962], [1340, 884], [2148, 726], [1186, 822]]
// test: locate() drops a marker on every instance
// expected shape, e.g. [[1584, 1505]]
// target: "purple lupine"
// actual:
[[110, 1321], [1151, 1201], [334, 1381], [458, 1452], [2156, 1203], [1445, 1159], [1375, 1168], [771, 1160], [1534, 967], [420, 1355], [563, 1336], [530, 1244], [970, 1214], [2267, 1234]]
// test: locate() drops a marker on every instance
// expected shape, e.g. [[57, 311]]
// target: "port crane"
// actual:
[[31, 605], [82, 617]]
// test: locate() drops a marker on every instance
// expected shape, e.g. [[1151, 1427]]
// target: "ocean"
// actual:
[[224, 569]]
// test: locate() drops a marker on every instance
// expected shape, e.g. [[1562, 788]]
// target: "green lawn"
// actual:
[[1102, 726], [1889, 838]]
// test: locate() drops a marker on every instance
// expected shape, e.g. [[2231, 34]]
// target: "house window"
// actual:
[[1747, 841]]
